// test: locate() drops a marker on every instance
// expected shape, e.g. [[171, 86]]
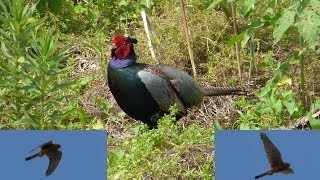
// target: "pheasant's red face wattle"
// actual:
[[122, 45]]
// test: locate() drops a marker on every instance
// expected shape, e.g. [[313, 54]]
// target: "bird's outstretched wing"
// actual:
[[44, 144], [273, 154], [54, 159]]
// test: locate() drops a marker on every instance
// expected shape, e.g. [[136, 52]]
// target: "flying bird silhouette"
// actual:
[[274, 157], [52, 152]]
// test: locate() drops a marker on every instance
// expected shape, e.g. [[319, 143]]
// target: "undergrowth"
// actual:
[[185, 153]]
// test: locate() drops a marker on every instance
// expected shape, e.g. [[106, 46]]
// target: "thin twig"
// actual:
[[146, 29], [302, 81], [235, 30], [188, 40]]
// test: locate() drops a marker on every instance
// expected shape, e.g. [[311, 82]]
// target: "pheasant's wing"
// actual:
[[188, 90], [54, 159], [42, 145], [160, 89], [273, 154]]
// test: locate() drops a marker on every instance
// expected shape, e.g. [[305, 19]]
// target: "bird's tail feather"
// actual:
[[223, 91], [33, 156], [261, 175]]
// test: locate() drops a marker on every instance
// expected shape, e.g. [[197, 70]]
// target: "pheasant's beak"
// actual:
[[133, 40], [113, 46]]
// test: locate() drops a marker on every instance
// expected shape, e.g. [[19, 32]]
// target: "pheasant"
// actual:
[[145, 92]]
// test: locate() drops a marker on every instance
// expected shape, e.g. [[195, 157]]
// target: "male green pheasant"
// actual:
[[146, 92]]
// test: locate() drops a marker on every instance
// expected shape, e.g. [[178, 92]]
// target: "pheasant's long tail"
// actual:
[[223, 91]]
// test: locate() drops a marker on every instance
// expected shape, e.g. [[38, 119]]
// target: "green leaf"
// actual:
[[285, 21], [217, 125], [145, 3], [284, 80], [284, 65], [315, 105], [79, 9], [264, 110], [27, 119], [123, 3], [136, 130], [247, 35], [34, 85], [225, 8], [309, 23], [256, 25], [4, 8], [98, 125], [214, 4], [119, 154], [287, 95], [119, 174], [235, 39], [247, 6], [62, 86], [244, 126], [278, 107], [315, 123], [291, 107], [250, 31], [264, 91], [6, 51]]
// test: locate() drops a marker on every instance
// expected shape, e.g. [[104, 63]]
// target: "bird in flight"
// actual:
[[52, 152], [274, 157]]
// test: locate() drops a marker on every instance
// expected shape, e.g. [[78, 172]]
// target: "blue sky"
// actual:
[[83, 155], [240, 154]]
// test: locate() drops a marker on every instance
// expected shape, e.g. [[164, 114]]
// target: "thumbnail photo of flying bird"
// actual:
[[274, 158], [50, 150]]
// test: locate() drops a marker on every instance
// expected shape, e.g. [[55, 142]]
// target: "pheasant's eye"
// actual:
[[123, 42]]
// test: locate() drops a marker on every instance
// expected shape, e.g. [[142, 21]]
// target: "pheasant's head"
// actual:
[[122, 52], [122, 46]]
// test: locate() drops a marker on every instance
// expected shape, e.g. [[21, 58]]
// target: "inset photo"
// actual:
[[267, 154], [53, 154]]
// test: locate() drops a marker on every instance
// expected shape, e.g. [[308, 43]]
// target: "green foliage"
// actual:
[[285, 18], [157, 153], [301, 14], [54, 6], [43, 84], [259, 14], [285, 21], [100, 15], [305, 15], [33, 94], [70, 17], [247, 7], [17, 28], [276, 103], [314, 122], [224, 4]]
